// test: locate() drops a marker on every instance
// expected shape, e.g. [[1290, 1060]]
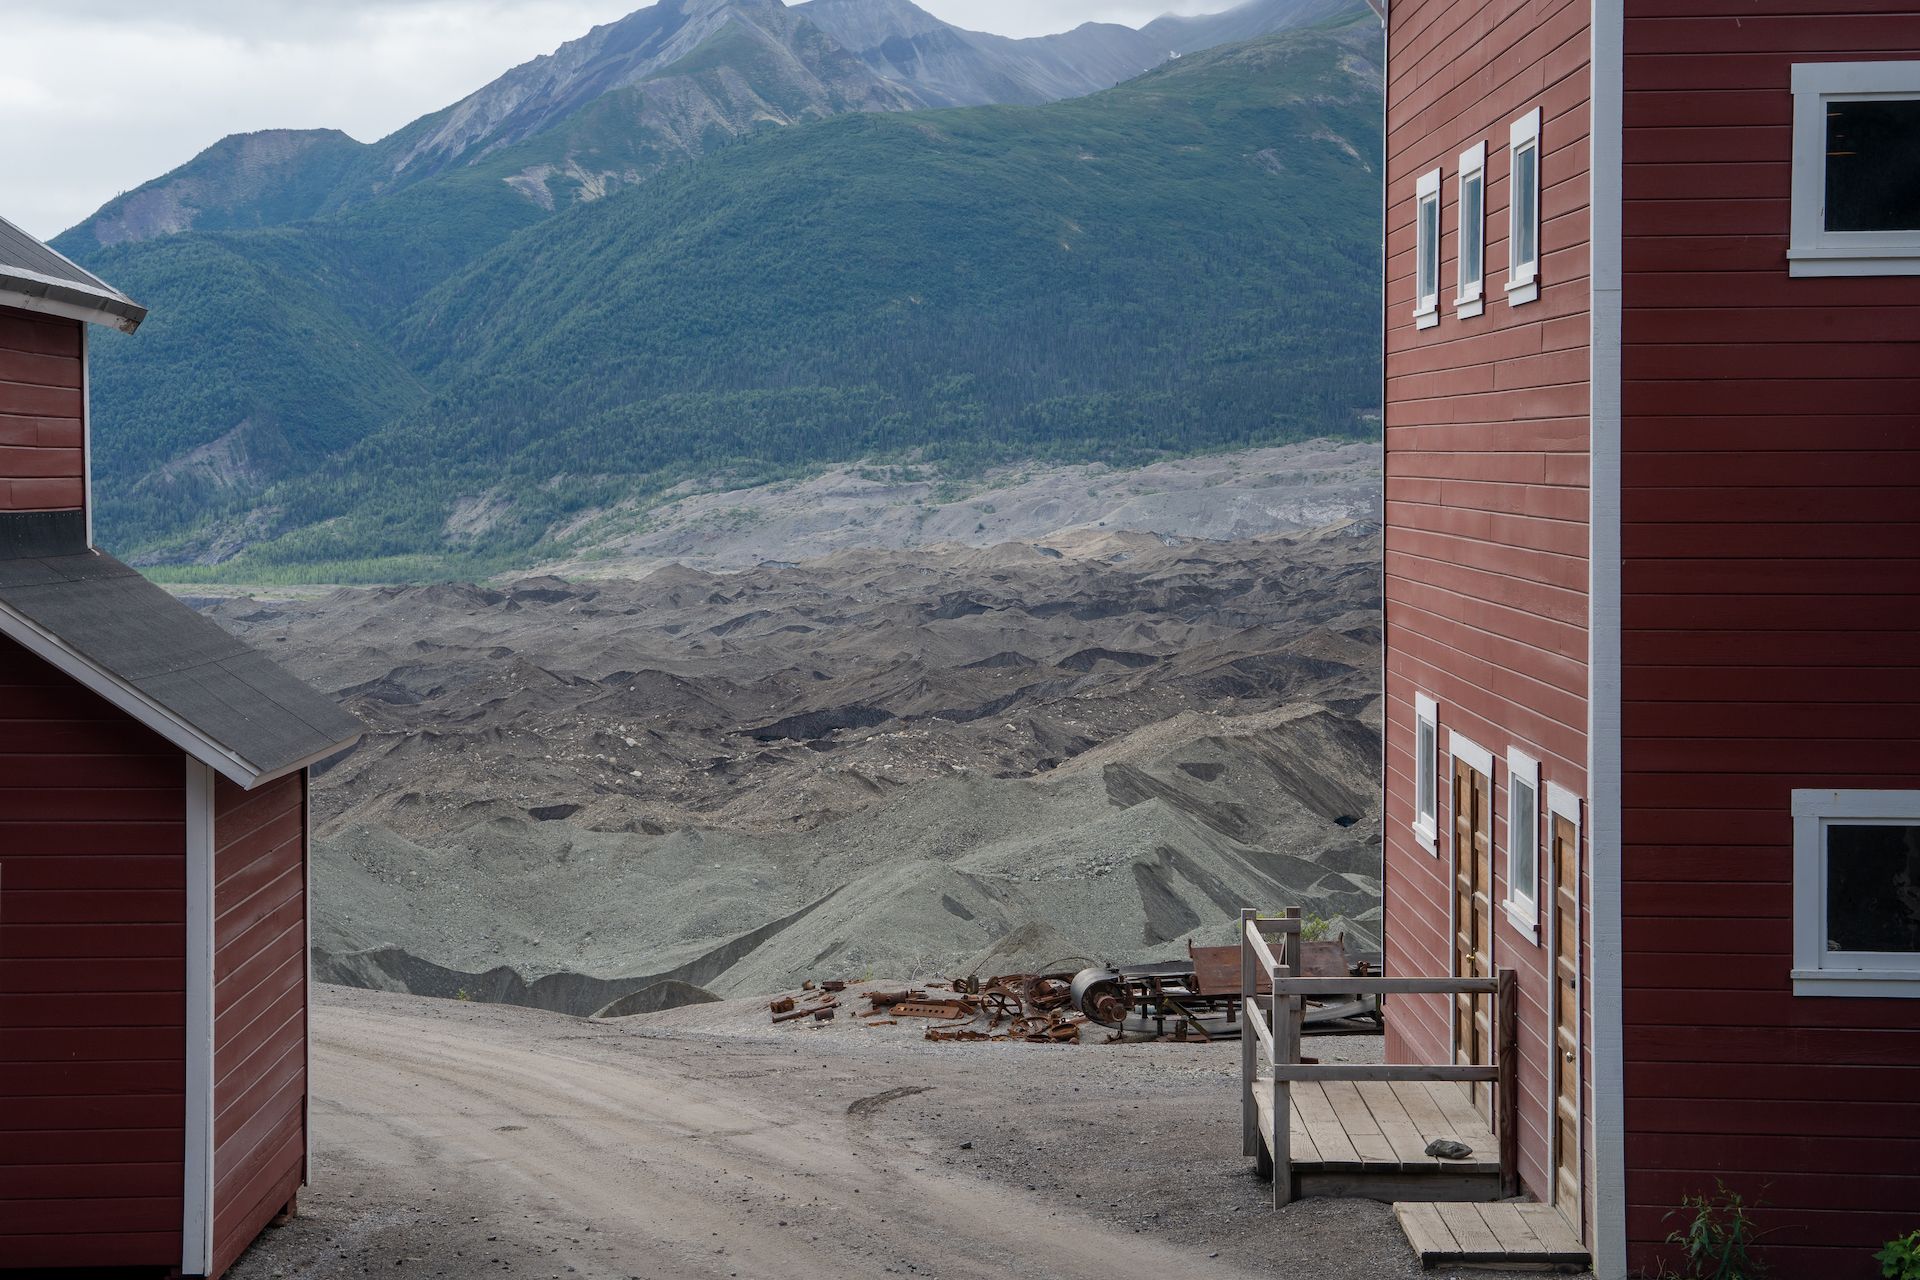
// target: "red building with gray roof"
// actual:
[[1652, 591], [153, 857]]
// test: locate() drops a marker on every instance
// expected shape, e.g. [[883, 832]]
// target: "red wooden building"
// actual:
[[1653, 596], [153, 857]]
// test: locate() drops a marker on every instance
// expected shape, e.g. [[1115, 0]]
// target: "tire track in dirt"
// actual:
[[658, 1167]]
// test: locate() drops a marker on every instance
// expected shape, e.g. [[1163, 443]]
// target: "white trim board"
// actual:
[[86, 428], [1477, 757], [1470, 301], [56, 307], [1607, 1174], [1426, 713], [1814, 250], [1818, 970], [197, 1204], [1426, 305], [1523, 914], [1523, 286], [1562, 803]]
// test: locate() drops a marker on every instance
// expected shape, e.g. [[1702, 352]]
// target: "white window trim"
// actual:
[[1426, 826], [1523, 283], [1469, 299], [1813, 250], [1426, 306], [1523, 913], [1817, 971], [1477, 757], [1562, 803]]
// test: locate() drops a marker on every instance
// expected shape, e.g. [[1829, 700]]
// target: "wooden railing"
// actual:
[[1273, 1027]]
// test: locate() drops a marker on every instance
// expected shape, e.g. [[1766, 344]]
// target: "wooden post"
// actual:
[[1291, 950], [1249, 1050], [1286, 1049], [1506, 1012]]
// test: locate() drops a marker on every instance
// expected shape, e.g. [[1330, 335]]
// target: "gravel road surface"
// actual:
[[456, 1139]]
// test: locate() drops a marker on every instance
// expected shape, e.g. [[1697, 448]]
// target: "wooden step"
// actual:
[[1507, 1233]]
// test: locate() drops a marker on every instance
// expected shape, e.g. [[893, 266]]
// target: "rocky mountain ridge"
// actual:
[[457, 380], [948, 66], [664, 83]]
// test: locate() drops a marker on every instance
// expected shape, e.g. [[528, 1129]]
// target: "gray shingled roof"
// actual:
[[182, 668], [34, 277]]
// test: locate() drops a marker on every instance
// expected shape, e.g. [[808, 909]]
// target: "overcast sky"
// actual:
[[97, 96]]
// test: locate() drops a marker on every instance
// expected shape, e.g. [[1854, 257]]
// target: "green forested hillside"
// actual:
[[1185, 262]]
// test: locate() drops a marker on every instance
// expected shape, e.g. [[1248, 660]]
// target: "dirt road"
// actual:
[[457, 1139]]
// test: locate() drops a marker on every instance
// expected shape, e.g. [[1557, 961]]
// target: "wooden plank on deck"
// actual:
[[1408, 1146], [1469, 1121], [1476, 1238], [1427, 1232], [1371, 1145], [1508, 1233], [1420, 1107], [1551, 1229], [1299, 1141], [1335, 1148], [1509, 1227]]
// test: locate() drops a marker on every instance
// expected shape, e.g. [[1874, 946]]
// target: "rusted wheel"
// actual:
[[1001, 1003]]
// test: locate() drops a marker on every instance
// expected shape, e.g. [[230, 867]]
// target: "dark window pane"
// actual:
[[1873, 887], [1873, 166], [1526, 205], [1472, 231], [1429, 248]]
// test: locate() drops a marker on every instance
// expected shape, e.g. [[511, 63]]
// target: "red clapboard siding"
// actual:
[[1771, 590], [114, 1249], [42, 413], [1486, 477], [92, 959], [260, 1007]]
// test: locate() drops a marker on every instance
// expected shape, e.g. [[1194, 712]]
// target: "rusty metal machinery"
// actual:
[[1170, 999]]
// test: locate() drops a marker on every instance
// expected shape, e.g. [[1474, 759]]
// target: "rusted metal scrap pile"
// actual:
[[1032, 1007], [817, 1000]]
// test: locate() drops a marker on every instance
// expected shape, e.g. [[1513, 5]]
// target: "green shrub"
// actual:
[[1719, 1239], [1900, 1260]]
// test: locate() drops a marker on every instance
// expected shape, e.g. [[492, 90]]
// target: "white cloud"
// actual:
[[100, 97]]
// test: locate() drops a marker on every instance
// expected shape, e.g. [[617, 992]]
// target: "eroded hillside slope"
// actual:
[[885, 762]]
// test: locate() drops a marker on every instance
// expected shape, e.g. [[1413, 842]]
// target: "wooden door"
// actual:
[[1566, 1035], [1473, 919]]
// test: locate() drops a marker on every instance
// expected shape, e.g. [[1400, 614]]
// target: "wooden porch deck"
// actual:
[[1499, 1235], [1362, 1129], [1368, 1138]]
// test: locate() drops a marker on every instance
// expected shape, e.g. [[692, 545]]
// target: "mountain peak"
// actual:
[[243, 180], [660, 85], [862, 24]]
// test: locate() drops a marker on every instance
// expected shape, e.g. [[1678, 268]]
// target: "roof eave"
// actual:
[[31, 291], [236, 768]]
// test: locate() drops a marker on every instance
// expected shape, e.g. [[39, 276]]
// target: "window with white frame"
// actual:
[[1473, 231], [1426, 245], [1426, 772], [1523, 843], [1856, 893], [1523, 209], [1856, 169]]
